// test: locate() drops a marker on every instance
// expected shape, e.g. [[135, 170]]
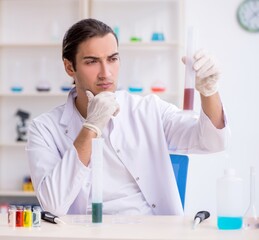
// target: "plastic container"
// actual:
[[229, 201]]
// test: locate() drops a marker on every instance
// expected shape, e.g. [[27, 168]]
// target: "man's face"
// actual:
[[97, 65]]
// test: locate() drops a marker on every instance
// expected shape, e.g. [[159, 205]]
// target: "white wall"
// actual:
[[237, 52]]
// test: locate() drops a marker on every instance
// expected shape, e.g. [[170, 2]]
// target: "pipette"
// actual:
[[97, 179], [189, 71], [199, 217], [49, 217]]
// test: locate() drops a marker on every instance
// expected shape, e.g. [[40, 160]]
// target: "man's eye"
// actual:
[[113, 59], [90, 62]]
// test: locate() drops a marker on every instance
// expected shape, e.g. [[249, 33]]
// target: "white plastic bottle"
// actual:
[[230, 201]]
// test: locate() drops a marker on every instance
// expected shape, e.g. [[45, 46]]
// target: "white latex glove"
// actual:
[[207, 73], [101, 108]]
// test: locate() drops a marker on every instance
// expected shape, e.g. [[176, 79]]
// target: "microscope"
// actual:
[[21, 127]]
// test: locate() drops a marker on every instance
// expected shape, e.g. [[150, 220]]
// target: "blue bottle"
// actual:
[[230, 201]]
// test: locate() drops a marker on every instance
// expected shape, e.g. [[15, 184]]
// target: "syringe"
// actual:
[[97, 179]]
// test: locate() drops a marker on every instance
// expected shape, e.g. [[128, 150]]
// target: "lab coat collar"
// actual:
[[115, 119], [69, 108]]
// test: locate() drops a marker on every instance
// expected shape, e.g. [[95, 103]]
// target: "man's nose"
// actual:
[[105, 70]]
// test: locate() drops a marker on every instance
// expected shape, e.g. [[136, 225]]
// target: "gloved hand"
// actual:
[[207, 73], [100, 110]]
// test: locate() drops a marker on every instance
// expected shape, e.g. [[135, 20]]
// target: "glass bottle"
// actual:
[[250, 217], [27, 216]]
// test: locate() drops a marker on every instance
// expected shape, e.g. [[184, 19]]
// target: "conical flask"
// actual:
[[250, 219]]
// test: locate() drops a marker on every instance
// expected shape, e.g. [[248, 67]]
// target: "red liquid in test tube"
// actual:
[[189, 71], [188, 98]]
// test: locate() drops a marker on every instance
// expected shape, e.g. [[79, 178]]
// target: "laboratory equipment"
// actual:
[[43, 85], [36, 216], [158, 33], [158, 84], [229, 201], [116, 31], [189, 71], [27, 184], [12, 216], [27, 216], [49, 217], [67, 85], [199, 217], [19, 216], [97, 179], [135, 85], [135, 37], [157, 36], [250, 217], [16, 85], [21, 126], [55, 31]]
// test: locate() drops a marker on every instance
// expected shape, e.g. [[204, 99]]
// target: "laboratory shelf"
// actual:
[[33, 94], [159, 45], [27, 44], [163, 95], [32, 54], [13, 144], [17, 193], [148, 46]]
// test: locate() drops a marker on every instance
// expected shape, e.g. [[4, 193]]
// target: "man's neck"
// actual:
[[81, 106]]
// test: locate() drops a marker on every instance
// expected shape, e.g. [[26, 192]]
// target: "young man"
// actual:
[[138, 132]]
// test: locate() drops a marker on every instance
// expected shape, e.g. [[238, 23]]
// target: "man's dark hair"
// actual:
[[78, 33]]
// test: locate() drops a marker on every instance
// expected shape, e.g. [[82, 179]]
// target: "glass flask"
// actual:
[[250, 219]]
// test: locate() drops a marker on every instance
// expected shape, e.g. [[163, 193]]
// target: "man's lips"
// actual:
[[105, 85]]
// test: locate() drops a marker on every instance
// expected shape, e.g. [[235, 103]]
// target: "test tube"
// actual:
[[189, 71], [97, 179]]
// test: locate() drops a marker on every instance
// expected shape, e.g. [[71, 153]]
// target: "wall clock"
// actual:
[[248, 15]]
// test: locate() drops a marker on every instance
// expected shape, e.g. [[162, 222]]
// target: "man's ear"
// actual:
[[69, 67]]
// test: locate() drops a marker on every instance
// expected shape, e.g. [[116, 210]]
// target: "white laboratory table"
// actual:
[[127, 228]]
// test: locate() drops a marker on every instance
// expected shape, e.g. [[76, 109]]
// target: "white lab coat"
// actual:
[[141, 135]]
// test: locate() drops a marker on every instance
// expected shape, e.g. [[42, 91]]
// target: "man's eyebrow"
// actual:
[[113, 55], [96, 58]]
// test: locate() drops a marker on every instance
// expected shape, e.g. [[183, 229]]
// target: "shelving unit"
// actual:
[[34, 36]]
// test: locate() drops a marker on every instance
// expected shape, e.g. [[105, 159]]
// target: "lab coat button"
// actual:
[[153, 205], [137, 178], [118, 151], [66, 131]]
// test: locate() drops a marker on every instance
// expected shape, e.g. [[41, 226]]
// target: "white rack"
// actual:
[[33, 29]]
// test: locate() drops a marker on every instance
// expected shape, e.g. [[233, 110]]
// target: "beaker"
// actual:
[[135, 85], [158, 85], [43, 84], [16, 85]]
